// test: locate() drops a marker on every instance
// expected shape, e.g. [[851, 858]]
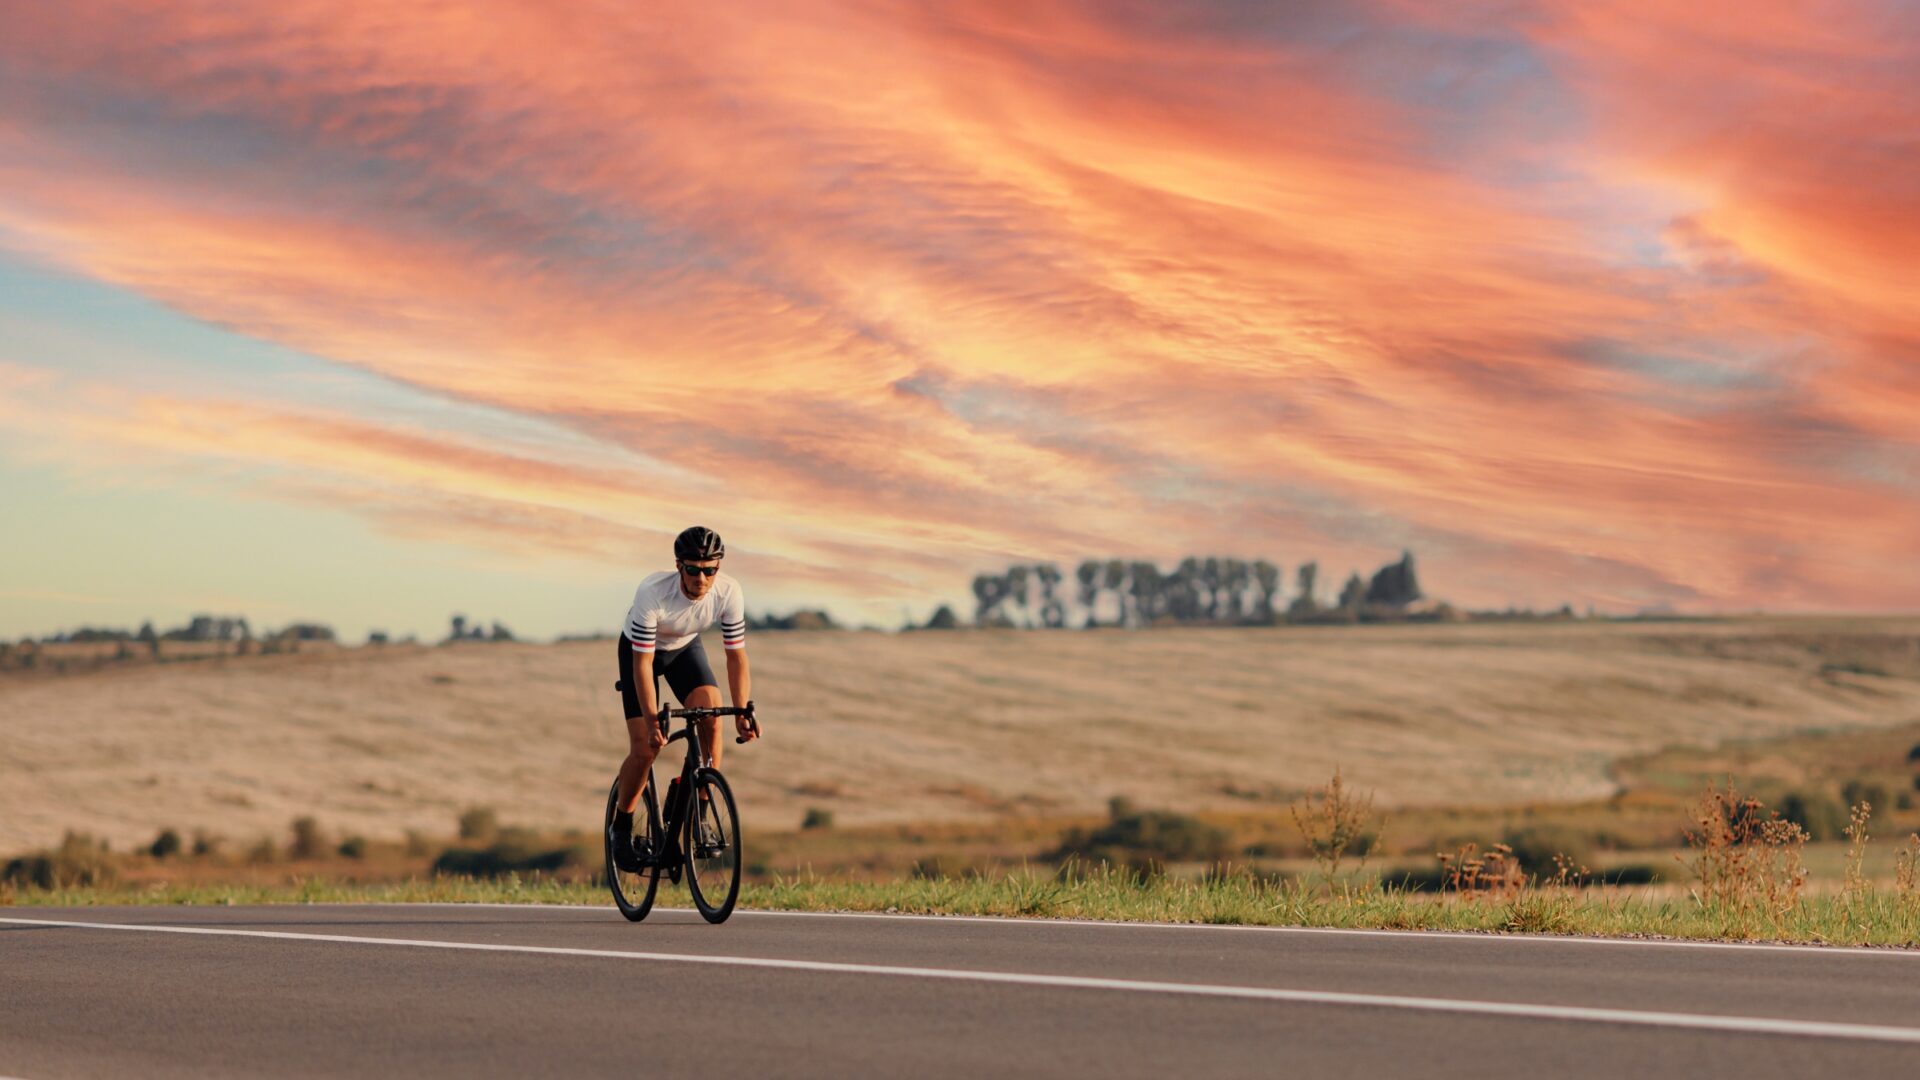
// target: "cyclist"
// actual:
[[662, 639]]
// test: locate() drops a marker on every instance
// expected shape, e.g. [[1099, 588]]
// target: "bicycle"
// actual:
[[705, 843]]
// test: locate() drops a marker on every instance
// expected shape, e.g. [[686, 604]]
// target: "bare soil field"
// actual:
[[934, 726]]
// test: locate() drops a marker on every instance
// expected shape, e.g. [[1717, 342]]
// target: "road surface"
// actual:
[[466, 990]]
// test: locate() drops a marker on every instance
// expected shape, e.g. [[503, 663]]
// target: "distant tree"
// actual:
[[500, 633], [479, 823], [1353, 593], [1016, 591], [1149, 590], [1395, 585], [1053, 610], [459, 628], [990, 598], [307, 841], [1266, 578], [166, 845], [1211, 582], [1237, 577], [1306, 580], [1183, 600], [1088, 576], [1116, 582], [943, 618]]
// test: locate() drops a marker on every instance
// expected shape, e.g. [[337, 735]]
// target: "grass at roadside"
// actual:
[[1877, 918]]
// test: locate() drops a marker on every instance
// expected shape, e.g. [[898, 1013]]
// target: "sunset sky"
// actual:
[[373, 313]]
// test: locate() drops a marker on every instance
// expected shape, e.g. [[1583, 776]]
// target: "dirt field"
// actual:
[[931, 726]]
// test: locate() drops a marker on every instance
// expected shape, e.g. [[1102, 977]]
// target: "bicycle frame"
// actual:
[[672, 815]]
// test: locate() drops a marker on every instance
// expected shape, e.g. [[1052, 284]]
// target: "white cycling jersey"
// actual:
[[663, 617]]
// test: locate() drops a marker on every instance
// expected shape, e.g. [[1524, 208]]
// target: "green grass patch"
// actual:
[[1884, 918]]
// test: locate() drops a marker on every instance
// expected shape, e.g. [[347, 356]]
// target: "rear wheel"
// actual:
[[712, 844], [633, 889]]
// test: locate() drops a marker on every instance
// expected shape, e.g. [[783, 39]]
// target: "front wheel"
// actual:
[[633, 889], [712, 844]]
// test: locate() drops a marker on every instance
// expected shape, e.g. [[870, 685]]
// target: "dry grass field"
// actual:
[[934, 726]]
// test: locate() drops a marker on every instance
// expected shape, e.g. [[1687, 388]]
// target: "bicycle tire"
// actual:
[[714, 880], [633, 892]]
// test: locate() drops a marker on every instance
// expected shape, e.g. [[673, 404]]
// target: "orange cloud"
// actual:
[[982, 280]]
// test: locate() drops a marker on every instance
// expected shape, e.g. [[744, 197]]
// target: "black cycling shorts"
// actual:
[[685, 669]]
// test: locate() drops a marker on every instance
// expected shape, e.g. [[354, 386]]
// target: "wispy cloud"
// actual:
[[1602, 302]]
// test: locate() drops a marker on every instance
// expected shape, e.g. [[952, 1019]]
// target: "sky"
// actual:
[[369, 314]]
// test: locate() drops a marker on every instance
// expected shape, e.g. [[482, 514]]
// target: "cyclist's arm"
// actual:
[[643, 672], [739, 679], [642, 630], [740, 685], [733, 637]]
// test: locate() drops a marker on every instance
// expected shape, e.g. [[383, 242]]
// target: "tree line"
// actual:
[[1198, 590]]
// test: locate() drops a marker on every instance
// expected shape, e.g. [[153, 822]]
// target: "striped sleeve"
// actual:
[[733, 621], [642, 626]]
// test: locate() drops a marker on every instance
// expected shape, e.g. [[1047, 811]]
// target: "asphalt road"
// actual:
[[442, 990]]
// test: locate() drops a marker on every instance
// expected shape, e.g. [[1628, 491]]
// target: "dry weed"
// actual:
[[1855, 887], [1494, 875], [1906, 872], [1747, 859], [1334, 819]]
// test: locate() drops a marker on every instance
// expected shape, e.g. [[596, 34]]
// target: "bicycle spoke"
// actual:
[[712, 842]]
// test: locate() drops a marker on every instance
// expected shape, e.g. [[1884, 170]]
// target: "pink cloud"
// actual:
[[1060, 279]]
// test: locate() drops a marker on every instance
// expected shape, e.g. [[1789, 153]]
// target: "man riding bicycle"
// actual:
[[662, 639]]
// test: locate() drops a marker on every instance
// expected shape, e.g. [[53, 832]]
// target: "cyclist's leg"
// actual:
[[695, 686], [640, 751]]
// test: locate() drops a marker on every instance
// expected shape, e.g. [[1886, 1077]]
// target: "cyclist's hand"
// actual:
[[655, 737], [748, 732]]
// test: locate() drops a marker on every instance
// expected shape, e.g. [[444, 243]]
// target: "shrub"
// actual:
[[264, 851], [354, 847], [1534, 848], [941, 866], [1631, 874], [480, 824], [1823, 817], [1424, 879], [1144, 839], [166, 845], [205, 843], [817, 819], [307, 841], [1862, 790], [79, 862], [515, 851]]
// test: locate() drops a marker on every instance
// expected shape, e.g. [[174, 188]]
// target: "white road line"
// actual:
[[1750, 1025], [1416, 935]]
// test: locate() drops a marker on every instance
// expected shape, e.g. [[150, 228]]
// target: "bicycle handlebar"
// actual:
[[667, 713]]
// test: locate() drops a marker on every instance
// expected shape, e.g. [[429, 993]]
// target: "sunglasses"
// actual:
[[703, 571]]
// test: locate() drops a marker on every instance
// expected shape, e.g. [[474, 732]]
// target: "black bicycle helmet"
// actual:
[[698, 543]]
